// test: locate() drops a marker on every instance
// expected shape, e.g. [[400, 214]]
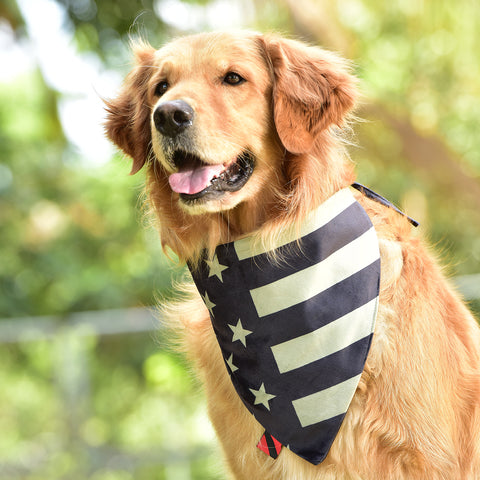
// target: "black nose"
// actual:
[[171, 118]]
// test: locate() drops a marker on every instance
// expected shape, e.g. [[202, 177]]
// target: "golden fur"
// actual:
[[416, 412]]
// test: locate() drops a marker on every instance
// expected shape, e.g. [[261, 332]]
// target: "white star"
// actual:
[[215, 267], [209, 304], [233, 368], [240, 333], [261, 396]]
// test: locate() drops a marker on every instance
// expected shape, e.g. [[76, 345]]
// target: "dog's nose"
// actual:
[[171, 118]]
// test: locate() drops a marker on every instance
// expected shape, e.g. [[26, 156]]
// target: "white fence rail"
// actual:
[[469, 286], [105, 322], [117, 322]]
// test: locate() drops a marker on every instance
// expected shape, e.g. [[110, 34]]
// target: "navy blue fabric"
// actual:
[[255, 361]]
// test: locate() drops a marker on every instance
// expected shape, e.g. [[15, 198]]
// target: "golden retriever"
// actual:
[[241, 136]]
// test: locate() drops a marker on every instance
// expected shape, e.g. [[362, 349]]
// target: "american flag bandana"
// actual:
[[295, 333]]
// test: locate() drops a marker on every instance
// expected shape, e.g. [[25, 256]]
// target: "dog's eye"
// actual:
[[232, 78], [161, 88]]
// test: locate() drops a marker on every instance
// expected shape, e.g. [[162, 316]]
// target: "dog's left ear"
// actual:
[[128, 116], [312, 90]]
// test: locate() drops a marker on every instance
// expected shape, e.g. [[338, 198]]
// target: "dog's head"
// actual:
[[230, 123]]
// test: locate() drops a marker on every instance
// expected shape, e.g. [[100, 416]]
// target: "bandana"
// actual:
[[295, 331]]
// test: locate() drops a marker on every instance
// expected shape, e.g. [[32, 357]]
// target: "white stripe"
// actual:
[[327, 403], [343, 263], [326, 212], [326, 340]]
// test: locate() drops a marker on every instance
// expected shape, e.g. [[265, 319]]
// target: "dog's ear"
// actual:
[[312, 90], [127, 122]]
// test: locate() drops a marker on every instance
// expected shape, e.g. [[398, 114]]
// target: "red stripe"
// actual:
[[269, 445]]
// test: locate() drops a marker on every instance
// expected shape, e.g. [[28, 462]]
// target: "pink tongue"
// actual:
[[194, 180]]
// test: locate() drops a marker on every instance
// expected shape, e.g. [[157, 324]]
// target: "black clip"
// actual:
[[378, 198]]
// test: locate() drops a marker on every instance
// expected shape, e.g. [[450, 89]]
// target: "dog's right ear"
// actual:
[[128, 116]]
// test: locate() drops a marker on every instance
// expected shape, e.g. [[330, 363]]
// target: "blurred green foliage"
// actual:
[[71, 239], [101, 26], [74, 237], [112, 408]]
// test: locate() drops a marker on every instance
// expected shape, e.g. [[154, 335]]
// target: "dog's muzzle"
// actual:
[[196, 178]]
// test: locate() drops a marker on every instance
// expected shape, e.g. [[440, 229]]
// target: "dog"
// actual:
[[242, 137]]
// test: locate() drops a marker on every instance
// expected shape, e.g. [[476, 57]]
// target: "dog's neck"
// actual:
[[306, 181]]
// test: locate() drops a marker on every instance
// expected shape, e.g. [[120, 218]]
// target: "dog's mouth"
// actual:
[[196, 179]]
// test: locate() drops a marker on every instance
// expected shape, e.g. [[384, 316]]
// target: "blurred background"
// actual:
[[89, 387]]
